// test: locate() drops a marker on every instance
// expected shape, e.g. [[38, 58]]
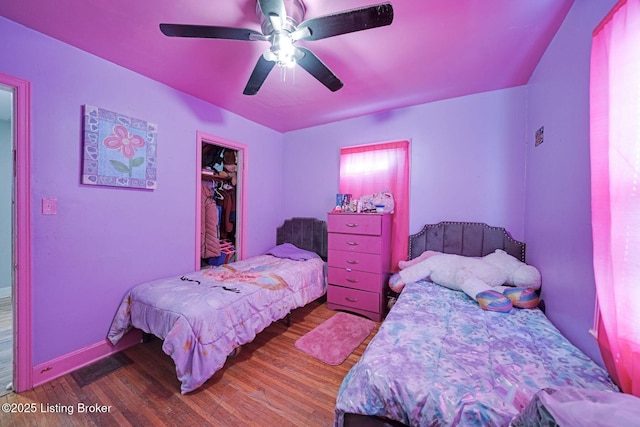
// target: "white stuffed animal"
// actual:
[[483, 279]]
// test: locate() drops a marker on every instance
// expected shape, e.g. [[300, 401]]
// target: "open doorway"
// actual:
[[6, 239], [221, 183], [19, 225]]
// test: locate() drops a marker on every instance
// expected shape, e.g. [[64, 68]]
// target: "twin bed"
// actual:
[[438, 359], [206, 315]]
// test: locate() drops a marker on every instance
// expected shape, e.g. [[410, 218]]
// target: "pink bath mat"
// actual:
[[335, 339]]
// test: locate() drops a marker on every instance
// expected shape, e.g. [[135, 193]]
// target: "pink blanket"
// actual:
[[204, 315]]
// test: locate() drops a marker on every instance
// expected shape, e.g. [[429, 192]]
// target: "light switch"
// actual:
[[49, 207]]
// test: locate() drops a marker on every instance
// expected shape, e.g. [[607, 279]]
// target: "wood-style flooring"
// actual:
[[269, 383], [6, 344]]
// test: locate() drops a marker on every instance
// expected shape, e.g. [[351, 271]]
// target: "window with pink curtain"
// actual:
[[615, 189], [370, 169]]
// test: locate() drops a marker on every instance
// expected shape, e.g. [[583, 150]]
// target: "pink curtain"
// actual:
[[615, 189], [374, 168]]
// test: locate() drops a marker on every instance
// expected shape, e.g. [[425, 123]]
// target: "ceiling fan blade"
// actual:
[[314, 66], [275, 11], [258, 76], [348, 21], [211, 32]]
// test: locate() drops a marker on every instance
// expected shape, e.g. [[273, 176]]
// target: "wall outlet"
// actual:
[[49, 207]]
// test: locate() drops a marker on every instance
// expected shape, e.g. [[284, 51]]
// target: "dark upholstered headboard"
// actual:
[[306, 233], [464, 238]]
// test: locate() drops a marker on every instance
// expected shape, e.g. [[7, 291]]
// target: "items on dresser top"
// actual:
[[359, 262], [376, 202]]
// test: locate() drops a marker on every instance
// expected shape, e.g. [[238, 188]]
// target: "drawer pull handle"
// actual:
[[348, 270], [353, 243], [350, 261], [352, 224], [351, 299], [353, 280]]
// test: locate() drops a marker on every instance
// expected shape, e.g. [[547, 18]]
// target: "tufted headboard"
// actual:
[[306, 233], [464, 238]]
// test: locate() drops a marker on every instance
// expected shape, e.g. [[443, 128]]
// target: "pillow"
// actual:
[[287, 250]]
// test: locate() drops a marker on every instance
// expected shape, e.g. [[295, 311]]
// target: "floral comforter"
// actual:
[[440, 360], [204, 315]]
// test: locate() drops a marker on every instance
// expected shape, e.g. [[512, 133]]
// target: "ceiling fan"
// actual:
[[282, 26]]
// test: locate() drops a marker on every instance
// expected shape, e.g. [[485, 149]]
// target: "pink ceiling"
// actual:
[[434, 49]]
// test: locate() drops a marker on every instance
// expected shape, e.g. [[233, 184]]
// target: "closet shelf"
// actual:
[[213, 175]]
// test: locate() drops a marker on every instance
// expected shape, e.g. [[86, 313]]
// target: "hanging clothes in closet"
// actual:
[[209, 230], [228, 196], [220, 175], [228, 220]]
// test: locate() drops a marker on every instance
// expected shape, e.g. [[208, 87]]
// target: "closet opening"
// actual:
[[221, 169]]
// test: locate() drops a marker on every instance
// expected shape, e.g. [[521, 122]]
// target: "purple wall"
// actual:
[[467, 159], [558, 198], [105, 240]]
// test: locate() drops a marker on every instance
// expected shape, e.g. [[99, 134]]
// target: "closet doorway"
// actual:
[[220, 199]]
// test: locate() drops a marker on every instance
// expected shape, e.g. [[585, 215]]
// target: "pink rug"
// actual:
[[335, 339]]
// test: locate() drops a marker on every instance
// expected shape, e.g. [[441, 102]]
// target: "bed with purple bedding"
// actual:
[[440, 360], [205, 315]]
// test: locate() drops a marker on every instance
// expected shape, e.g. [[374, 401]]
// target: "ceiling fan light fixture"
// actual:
[[283, 49]]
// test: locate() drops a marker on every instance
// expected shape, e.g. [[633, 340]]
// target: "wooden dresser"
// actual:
[[359, 262]]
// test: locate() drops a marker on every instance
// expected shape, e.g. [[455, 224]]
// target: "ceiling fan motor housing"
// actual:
[[295, 14]]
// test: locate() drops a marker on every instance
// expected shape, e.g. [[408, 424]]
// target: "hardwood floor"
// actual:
[[6, 344], [270, 383]]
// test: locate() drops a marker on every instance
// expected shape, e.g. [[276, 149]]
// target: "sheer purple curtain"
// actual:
[[369, 169], [615, 190]]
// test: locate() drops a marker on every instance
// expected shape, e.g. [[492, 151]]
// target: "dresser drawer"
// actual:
[[355, 223], [356, 261], [356, 279], [353, 298], [355, 243]]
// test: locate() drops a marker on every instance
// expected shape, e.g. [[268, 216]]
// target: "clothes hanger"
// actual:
[[219, 195]]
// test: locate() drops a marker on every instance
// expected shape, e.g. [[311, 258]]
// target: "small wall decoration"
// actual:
[[119, 150], [540, 136]]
